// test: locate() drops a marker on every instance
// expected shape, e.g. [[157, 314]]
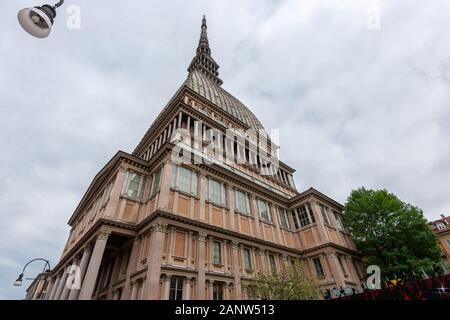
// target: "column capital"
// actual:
[[202, 236], [103, 234], [158, 227], [332, 255], [235, 244]]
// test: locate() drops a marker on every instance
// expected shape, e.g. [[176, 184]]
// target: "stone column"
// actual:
[[236, 271], [62, 284], [353, 273], [94, 265], [262, 261], [225, 256], [226, 292], [171, 245], [167, 287], [151, 285], [70, 281], [231, 206], [126, 294], [189, 260], [210, 290], [166, 178], [320, 223], [54, 288], [201, 181], [201, 266], [133, 291], [187, 289], [336, 269], [74, 293], [49, 289]]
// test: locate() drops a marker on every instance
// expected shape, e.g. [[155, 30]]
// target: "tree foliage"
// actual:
[[290, 284], [389, 232]]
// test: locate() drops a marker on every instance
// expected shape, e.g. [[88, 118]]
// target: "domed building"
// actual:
[[153, 227]]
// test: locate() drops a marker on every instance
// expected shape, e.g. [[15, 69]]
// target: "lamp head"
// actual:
[[18, 282], [37, 21]]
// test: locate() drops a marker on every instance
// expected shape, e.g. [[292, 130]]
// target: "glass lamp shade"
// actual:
[[36, 21], [18, 282]]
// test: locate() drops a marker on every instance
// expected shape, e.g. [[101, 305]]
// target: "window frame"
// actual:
[[175, 292], [247, 203], [156, 177], [222, 192], [141, 183], [303, 216], [218, 294], [267, 206], [193, 180], [272, 263], [339, 222], [318, 268], [217, 254], [248, 264], [283, 212], [325, 215]]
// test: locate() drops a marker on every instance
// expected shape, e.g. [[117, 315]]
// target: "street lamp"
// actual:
[[19, 279], [38, 21]]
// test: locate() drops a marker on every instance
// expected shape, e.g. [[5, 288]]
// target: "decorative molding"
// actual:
[[202, 237], [159, 227], [103, 234]]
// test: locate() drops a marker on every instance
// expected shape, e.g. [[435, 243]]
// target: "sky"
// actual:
[[358, 89]]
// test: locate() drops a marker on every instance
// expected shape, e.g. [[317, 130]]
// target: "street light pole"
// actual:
[[19, 279], [38, 21]]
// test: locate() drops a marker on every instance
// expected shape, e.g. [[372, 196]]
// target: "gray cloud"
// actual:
[[354, 106]]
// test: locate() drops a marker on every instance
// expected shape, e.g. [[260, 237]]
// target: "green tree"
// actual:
[[290, 284], [390, 233]]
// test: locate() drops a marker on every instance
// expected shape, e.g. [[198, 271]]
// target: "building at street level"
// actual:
[[149, 227]]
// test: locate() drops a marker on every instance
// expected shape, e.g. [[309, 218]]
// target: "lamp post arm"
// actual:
[[47, 263], [59, 4]]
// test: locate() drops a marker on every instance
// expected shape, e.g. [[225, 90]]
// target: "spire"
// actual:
[[203, 61]]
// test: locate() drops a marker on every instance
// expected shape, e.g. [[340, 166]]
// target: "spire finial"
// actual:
[[203, 60]]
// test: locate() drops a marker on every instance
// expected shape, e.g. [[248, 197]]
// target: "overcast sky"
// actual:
[[356, 105]]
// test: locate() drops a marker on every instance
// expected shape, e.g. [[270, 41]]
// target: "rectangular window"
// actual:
[[283, 218], [324, 213], [215, 192], [156, 181], [134, 185], [242, 202], [303, 216], [217, 291], [318, 267], [341, 263], [273, 266], [176, 288], [263, 208], [247, 259], [184, 180], [217, 252], [295, 218], [339, 222], [448, 242], [440, 226]]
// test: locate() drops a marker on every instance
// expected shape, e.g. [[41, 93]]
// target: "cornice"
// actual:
[[103, 175]]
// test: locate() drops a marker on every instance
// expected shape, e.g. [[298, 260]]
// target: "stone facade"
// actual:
[[148, 228], [441, 229]]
